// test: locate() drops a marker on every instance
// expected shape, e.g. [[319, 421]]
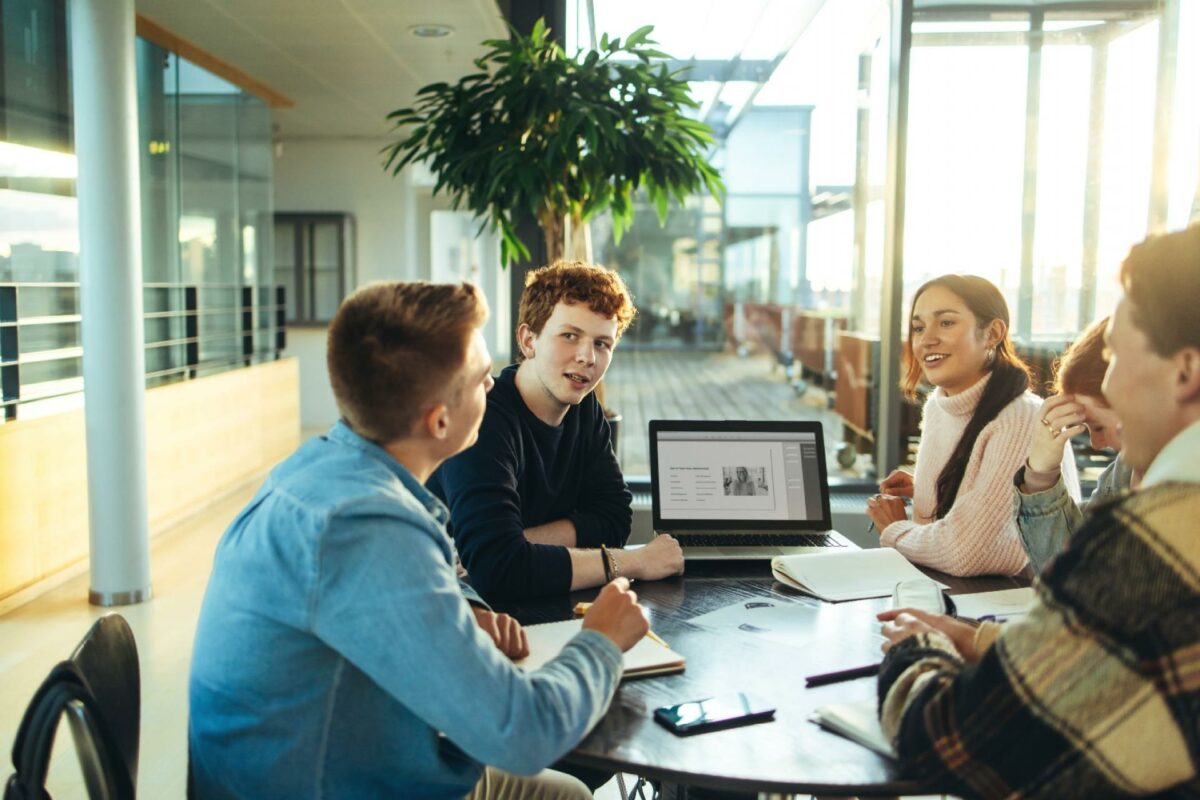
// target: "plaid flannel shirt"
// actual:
[[1095, 694]]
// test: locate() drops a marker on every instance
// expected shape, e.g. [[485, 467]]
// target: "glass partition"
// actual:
[[1038, 141], [755, 294], [205, 168]]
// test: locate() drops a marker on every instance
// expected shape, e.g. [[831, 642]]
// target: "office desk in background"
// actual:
[[788, 756]]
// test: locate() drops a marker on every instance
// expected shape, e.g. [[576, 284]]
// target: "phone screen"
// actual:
[[712, 713]]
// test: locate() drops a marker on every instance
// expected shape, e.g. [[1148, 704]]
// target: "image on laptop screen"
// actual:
[[746, 474]]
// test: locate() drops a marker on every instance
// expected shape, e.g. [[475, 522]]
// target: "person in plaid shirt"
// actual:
[[1097, 691]]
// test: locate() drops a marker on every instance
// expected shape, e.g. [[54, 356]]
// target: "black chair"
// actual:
[[99, 691]]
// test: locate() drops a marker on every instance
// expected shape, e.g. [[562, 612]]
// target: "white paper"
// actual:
[[797, 623], [858, 721], [1003, 603], [847, 575]]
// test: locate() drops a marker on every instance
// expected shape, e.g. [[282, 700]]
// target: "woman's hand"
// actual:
[[899, 484], [884, 509], [1061, 418], [901, 623]]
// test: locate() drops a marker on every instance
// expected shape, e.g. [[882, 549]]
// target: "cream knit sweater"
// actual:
[[979, 536]]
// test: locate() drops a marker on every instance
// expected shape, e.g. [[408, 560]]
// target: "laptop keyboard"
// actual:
[[752, 539]]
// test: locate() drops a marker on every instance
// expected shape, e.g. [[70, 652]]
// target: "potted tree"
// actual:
[[560, 138]]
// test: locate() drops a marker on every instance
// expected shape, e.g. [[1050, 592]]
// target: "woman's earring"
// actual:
[[991, 355]]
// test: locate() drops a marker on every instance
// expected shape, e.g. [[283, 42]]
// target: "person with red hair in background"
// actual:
[[1046, 514]]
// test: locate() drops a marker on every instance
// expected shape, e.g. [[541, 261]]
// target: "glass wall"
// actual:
[[205, 165], [1038, 143]]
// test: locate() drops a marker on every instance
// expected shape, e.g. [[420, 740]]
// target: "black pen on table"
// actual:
[[841, 675]]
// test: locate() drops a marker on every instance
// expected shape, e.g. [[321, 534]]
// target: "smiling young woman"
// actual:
[[975, 434]]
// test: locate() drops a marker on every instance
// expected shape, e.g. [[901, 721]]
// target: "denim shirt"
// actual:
[[336, 655], [1049, 518]]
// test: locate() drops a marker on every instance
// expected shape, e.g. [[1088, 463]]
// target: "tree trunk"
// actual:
[[578, 239], [554, 231]]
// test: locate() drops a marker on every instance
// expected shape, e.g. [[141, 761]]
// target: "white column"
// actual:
[[103, 74]]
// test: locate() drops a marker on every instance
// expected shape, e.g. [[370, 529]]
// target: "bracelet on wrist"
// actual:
[[607, 560], [612, 560]]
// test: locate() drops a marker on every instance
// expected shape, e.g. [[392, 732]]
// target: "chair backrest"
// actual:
[[107, 661], [99, 691]]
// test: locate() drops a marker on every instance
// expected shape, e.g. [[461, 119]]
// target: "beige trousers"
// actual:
[[546, 785]]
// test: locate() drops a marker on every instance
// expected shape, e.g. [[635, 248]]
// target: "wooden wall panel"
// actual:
[[43, 498], [204, 438]]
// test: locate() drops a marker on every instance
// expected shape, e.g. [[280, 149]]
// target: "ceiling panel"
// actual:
[[345, 63]]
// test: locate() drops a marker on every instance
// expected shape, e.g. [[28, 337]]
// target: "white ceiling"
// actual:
[[345, 63]]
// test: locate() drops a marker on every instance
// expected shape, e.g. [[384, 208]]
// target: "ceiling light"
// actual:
[[431, 31]]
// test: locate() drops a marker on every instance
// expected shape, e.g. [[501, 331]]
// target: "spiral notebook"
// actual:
[[644, 659]]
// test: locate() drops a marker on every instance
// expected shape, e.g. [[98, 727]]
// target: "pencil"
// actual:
[[654, 637], [581, 608]]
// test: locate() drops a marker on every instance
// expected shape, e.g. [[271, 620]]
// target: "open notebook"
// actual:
[[857, 721], [840, 575], [647, 657]]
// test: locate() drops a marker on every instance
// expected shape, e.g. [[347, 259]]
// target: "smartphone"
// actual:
[[714, 713]]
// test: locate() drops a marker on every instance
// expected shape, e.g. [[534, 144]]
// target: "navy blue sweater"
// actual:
[[523, 473]]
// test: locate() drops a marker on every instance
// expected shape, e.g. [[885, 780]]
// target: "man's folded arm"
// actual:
[[485, 520], [604, 513]]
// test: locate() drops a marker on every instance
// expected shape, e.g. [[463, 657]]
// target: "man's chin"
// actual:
[[575, 394]]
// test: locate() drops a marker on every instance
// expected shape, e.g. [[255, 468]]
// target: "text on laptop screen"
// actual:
[[736, 476]]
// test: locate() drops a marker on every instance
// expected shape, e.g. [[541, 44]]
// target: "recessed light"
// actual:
[[431, 31]]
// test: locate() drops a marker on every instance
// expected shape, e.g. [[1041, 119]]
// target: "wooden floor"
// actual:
[[44, 631], [643, 385]]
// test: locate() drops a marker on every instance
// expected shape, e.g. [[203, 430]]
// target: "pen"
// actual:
[[581, 608], [840, 675]]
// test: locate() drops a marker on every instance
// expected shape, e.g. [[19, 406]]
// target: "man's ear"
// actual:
[[1187, 375], [436, 421], [525, 340]]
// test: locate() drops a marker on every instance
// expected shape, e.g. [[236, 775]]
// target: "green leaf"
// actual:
[[638, 36]]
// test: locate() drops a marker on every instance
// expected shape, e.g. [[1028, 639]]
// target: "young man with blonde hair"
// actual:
[[1095, 693], [533, 503], [337, 654]]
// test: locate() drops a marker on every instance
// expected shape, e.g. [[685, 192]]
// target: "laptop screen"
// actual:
[[734, 474]]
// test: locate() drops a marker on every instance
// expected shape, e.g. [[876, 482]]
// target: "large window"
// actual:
[[1038, 143], [206, 212]]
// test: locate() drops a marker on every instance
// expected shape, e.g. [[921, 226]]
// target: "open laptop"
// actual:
[[741, 490]]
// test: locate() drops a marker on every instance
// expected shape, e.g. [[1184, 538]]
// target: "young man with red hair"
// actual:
[[535, 500]]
